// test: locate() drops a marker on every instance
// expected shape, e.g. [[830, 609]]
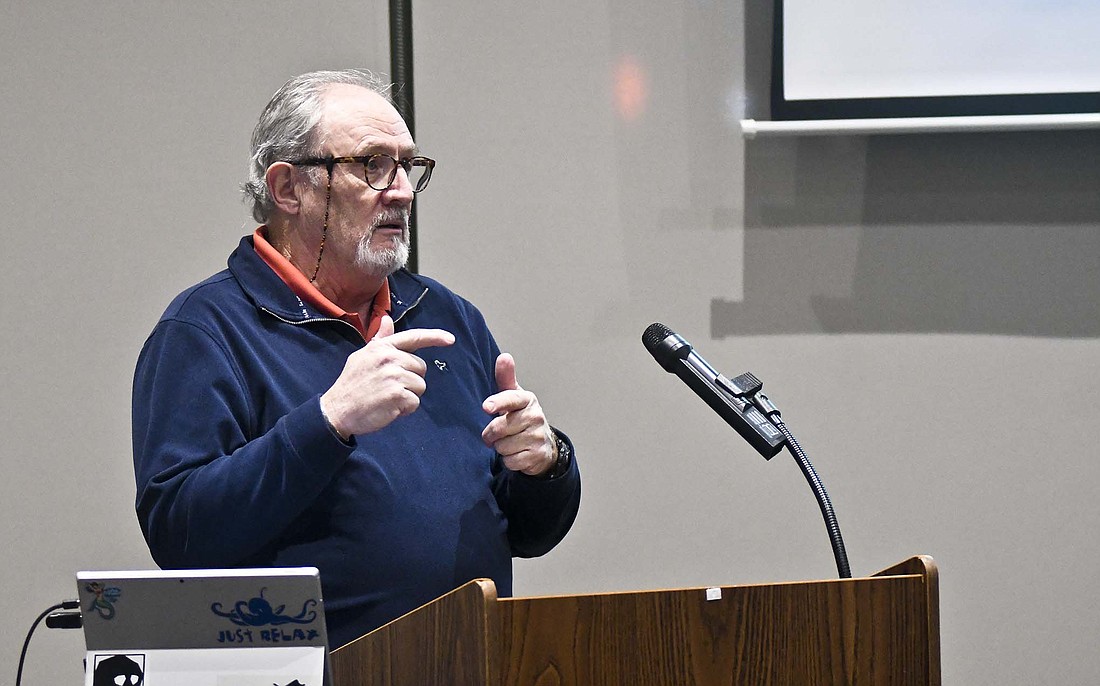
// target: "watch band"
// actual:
[[565, 457]]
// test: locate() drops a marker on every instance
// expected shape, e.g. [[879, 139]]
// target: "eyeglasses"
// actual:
[[380, 169]]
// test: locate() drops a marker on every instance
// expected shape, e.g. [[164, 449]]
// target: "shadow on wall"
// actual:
[[988, 233]]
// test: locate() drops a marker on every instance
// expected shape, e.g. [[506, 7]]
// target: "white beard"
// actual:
[[383, 261]]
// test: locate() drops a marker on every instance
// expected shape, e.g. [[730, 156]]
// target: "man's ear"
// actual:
[[280, 178]]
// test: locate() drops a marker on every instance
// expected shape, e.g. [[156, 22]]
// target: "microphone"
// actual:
[[722, 394]]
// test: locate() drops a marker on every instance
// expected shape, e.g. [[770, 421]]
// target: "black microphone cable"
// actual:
[[63, 605]]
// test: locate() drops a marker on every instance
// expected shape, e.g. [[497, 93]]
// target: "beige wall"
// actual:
[[925, 309]]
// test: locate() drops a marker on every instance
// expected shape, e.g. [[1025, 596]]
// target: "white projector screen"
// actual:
[[866, 58]]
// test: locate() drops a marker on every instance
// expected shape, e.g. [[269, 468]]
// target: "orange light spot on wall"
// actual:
[[631, 90]]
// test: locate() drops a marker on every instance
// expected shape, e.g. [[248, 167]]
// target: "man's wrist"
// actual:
[[346, 438], [564, 457]]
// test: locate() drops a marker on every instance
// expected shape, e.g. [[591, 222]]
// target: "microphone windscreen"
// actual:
[[665, 345], [653, 335]]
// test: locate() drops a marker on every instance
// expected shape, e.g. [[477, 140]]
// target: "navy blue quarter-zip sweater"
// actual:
[[236, 466]]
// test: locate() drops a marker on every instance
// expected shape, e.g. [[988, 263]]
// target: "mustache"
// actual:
[[392, 216]]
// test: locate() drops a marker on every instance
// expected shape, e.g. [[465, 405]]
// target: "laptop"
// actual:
[[205, 627]]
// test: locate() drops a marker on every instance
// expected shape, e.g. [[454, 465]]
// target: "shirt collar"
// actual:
[[304, 289]]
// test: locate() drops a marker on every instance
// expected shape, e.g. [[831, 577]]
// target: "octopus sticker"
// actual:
[[258, 612]]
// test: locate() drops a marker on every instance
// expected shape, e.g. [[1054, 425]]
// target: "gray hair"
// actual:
[[287, 129]]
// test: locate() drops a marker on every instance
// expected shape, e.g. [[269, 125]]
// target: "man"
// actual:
[[316, 404]]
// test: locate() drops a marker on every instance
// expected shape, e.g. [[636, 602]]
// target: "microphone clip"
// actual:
[[743, 386]]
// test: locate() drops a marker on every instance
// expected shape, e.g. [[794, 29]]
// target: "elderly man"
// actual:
[[317, 404]]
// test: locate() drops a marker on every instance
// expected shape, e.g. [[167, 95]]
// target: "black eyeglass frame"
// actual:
[[406, 163]]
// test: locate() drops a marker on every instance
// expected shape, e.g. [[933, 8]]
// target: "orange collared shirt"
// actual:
[[305, 290]]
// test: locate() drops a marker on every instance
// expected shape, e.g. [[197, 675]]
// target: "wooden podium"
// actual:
[[882, 629]]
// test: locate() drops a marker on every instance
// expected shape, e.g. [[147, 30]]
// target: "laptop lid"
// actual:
[[203, 627]]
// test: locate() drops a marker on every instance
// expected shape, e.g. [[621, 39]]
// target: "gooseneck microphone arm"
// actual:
[[740, 402], [835, 539]]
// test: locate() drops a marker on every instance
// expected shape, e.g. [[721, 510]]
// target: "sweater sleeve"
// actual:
[[211, 490], [540, 512]]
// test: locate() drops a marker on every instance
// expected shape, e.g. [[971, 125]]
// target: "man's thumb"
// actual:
[[506, 373], [385, 328]]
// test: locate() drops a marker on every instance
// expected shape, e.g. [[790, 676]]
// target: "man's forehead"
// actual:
[[350, 92], [355, 112]]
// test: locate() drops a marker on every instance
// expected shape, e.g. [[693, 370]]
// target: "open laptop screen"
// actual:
[[203, 627]]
